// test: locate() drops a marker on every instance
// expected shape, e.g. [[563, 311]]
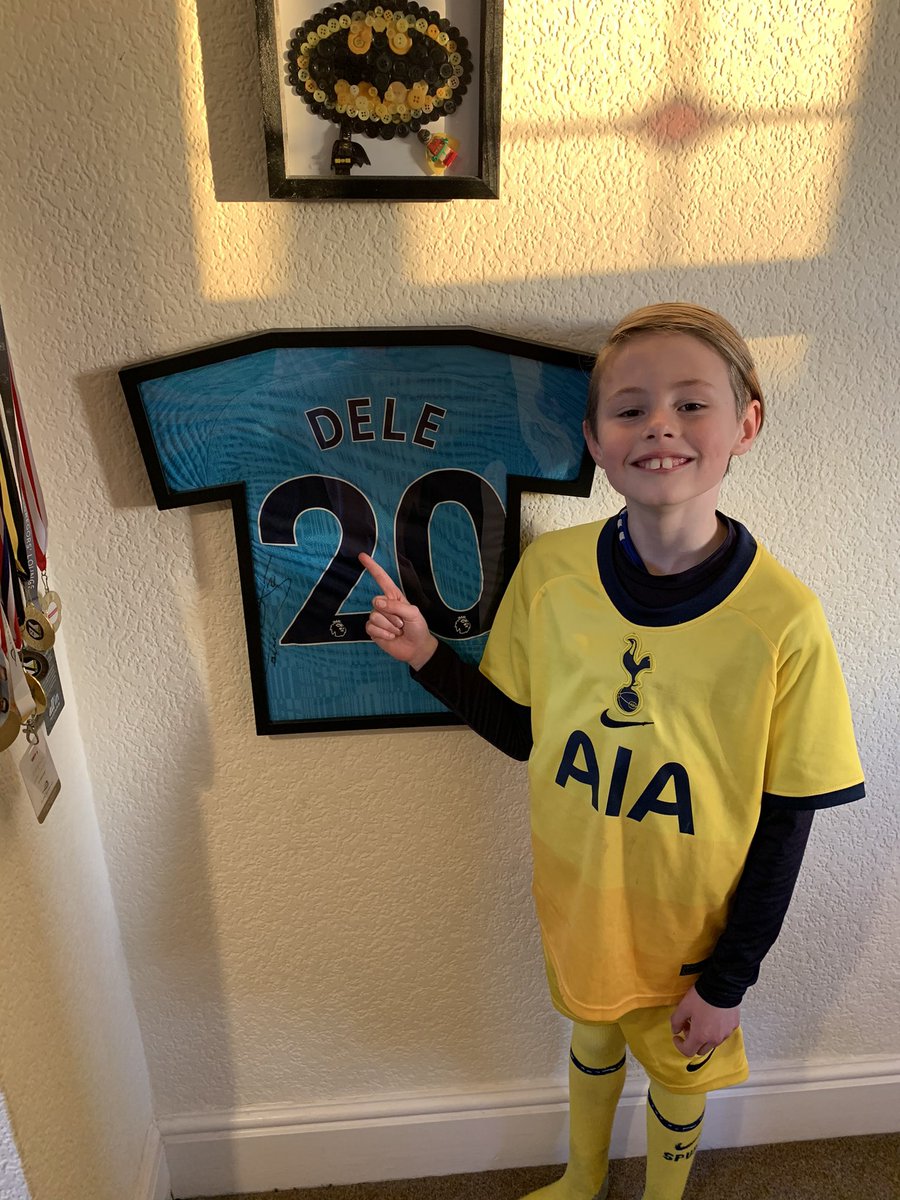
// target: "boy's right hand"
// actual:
[[394, 624]]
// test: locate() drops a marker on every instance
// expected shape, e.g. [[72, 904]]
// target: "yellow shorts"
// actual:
[[648, 1034]]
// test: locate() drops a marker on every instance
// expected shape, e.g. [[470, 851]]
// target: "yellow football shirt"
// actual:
[[656, 737]]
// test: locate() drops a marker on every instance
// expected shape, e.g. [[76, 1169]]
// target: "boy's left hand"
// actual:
[[700, 1027]]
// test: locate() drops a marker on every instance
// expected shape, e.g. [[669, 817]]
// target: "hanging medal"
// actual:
[[34, 663], [38, 695], [37, 632], [10, 725], [51, 606], [14, 687]]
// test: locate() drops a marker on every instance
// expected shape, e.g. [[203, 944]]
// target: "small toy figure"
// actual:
[[346, 154], [440, 150]]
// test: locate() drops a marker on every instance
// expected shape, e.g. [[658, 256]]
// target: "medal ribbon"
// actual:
[[6, 642], [11, 507], [30, 484], [10, 597]]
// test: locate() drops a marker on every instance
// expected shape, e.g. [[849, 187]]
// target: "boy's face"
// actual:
[[667, 422]]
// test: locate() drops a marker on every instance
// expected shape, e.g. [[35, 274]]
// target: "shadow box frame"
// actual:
[[417, 186]]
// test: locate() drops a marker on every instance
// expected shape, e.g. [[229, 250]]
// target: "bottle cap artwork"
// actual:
[[382, 72]]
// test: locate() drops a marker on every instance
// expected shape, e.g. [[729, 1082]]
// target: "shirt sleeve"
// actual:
[[472, 696], [506, 656], [759, 905], [811, 758]]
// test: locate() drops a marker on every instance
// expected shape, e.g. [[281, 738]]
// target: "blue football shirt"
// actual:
[[402, 451]]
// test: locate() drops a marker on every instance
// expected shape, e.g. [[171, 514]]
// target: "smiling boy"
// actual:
[[663, 425], [679, 700]]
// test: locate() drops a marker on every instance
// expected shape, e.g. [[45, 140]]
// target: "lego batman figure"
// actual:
[[346, 154]]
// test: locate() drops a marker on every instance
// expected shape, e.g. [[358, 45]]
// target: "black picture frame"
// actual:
[[476, 176]]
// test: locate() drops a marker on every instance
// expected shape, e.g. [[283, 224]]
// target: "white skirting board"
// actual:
[[269, 1147], [154, 1182]]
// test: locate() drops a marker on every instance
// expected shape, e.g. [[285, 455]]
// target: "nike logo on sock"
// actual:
[[687, 1145]]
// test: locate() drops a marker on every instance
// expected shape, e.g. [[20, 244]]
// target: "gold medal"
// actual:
[[37, 632], [9, 718], [51, 606], [38, 695], [10, 726]]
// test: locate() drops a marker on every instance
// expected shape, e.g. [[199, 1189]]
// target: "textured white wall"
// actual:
[[318, 918], [72, 1069]]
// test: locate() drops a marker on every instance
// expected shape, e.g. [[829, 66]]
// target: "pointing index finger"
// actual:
[[382, 578]]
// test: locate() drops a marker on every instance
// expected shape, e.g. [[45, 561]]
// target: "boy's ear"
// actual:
[[592, 444], [748, 428]]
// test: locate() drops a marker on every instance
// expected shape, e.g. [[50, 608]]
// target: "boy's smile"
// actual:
[[654, 463], [667, 423]]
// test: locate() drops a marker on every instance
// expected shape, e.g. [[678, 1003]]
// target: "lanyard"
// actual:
[[30, 484], [10, 596], [11, 507]]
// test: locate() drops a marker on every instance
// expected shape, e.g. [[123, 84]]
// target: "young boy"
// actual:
[[679, 700]]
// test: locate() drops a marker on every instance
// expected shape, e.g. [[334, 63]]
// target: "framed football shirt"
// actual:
[[413, 446]]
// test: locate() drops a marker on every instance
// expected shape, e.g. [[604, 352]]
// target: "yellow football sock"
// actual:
[[674, 1122], [596, 1078]]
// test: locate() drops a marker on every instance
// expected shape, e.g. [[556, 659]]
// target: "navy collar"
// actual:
[[733, 566]]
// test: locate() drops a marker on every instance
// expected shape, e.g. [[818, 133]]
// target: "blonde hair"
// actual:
[[698, 322]]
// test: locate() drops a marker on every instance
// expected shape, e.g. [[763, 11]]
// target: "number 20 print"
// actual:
[[413, 446], [321, 618]]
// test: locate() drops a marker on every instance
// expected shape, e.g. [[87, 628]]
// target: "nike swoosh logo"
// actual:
[[687, 1145], [697, 1066], [612, 723]]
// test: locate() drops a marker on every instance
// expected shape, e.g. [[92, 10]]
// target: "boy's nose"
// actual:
[[659, 425]]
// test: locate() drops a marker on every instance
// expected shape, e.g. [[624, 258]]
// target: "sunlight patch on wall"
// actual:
[[717, 134], [783, 51], [780, 361], [233, 261]]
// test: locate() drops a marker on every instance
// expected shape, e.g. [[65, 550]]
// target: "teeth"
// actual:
[[654, 464]]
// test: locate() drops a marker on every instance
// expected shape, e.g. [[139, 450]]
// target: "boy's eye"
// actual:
[[629, 412], [692, 405]]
